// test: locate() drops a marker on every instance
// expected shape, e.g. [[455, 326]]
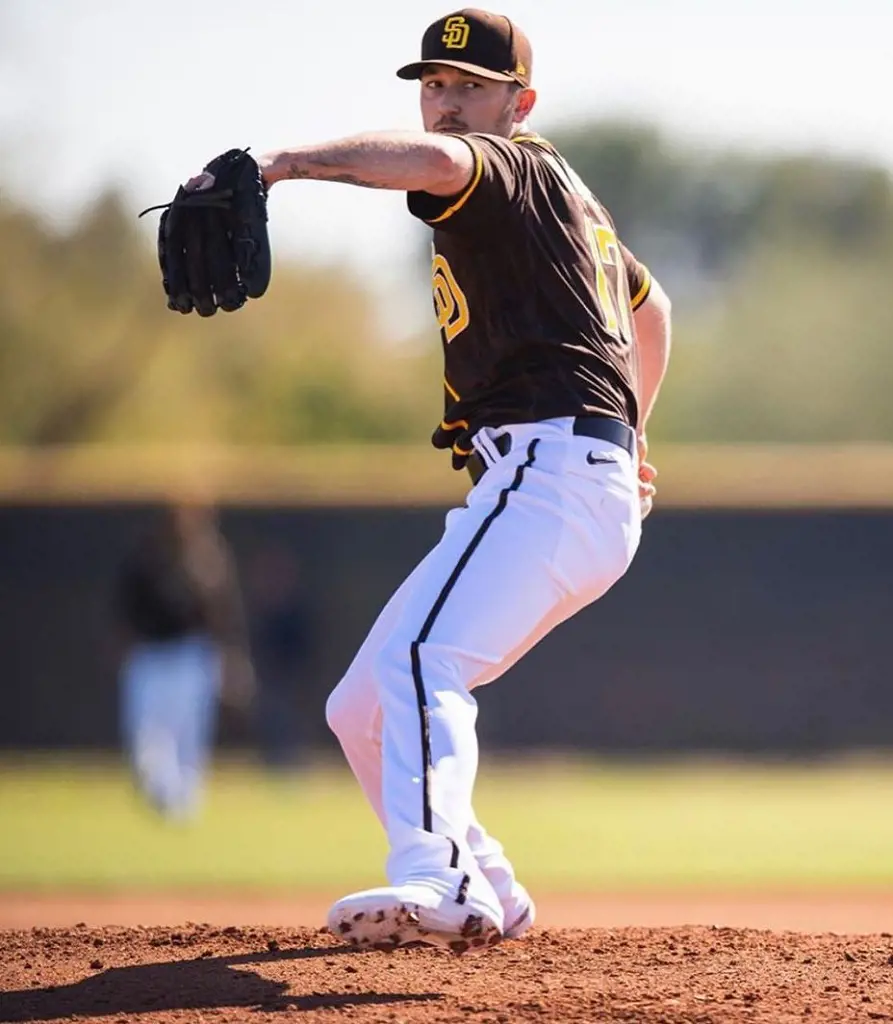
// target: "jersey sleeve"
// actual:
[[638, 278], [501, 176]]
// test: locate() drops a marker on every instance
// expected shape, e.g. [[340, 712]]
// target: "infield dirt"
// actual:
[[201, 972]]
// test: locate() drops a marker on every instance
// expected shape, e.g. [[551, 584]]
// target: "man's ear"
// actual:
[[526, 103]]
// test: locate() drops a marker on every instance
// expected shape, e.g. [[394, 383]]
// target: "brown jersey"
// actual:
[[533, 293]]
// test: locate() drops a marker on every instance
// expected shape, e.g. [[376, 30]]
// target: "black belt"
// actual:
[[603, 428]]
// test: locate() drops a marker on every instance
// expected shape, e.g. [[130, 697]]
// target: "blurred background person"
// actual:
[[177, 600], [281, 633]]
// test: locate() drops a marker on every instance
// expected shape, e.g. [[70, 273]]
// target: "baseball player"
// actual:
[[555, 343], [179, 608]]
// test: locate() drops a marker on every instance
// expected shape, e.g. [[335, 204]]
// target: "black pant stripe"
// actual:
[[421, 698], [425, 725]]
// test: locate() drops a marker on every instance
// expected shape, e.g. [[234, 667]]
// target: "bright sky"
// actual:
[[145, 93]]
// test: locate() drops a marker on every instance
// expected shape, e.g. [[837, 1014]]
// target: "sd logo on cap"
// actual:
[[455, 35], [491, 46]]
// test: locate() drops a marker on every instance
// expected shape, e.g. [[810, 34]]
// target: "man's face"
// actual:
[[457, 102]]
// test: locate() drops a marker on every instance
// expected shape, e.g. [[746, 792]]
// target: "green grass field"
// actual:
[[567, 825]]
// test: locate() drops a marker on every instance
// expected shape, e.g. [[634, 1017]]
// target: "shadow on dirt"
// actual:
[[198, 984]]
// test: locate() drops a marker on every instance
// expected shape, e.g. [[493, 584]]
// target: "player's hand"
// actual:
[[200, 182], [647, 490], [270, 168], [647, 474]]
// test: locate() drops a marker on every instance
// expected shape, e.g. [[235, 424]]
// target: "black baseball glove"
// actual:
[[213, 244]]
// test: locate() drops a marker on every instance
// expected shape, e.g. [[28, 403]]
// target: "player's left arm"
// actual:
[[441, 165]]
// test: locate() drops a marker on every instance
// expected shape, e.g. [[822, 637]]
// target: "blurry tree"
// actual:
[[777, 267], [796, 349], [88, 350], [705, 212]]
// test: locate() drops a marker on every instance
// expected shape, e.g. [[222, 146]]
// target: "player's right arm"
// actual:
[[440, 165], [652, 320], [652, 323]]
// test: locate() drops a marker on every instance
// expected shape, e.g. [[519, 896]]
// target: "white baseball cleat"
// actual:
[[519, 911], [423, 911]]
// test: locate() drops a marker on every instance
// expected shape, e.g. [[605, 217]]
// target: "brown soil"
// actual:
[[846, 912], [634, 975]]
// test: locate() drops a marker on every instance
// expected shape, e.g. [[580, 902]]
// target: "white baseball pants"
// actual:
[[168, 693], [549, 528]]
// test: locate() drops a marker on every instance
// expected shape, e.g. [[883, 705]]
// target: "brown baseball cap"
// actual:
[[476, 41]]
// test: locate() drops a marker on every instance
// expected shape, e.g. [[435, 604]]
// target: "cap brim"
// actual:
[[414, 70]]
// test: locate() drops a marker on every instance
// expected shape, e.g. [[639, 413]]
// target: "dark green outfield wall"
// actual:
[[738, 632]]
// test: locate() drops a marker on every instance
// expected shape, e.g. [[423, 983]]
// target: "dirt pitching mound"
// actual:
[[630, 975]]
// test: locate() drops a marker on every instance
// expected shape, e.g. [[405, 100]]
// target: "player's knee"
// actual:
[[351, 705], [393, 664], [338, 711]]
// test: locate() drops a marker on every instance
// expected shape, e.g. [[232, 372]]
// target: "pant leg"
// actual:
[[488, 852], [353, 711], [148, 734], [354, 715], [196, 674], [537, 541], [169, 696]]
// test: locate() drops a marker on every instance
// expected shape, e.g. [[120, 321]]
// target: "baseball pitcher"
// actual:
[[555, 340]]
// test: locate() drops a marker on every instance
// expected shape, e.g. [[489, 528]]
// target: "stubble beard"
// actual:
[[507, 123]]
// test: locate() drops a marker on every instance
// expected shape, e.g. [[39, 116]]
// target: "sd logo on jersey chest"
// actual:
[[450, 304]]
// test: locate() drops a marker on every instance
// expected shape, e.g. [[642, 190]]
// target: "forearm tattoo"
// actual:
[[372, 161], [323, 172]]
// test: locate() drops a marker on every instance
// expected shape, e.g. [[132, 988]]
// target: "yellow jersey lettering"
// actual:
[[612, 296], [450, 304]]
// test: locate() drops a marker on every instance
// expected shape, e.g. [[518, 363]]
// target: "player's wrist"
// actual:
[[272, 168]]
